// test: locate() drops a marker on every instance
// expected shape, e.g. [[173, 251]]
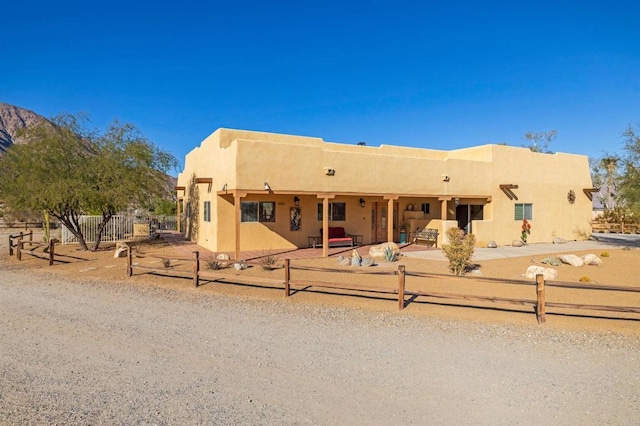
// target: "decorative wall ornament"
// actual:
[[571, 196], [295, 219]]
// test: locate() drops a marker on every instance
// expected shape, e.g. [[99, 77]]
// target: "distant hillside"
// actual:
[[12, 120]]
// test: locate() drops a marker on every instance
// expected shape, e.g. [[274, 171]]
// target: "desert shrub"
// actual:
[[459, 250], [551, 261], [585, 279], [604, 254], [166, 263], [390, 255], [213, 264], [268, 262]]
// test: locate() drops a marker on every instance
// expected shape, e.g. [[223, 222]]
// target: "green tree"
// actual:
[[67, 171], [165, 207], [629, 183], [539, 141]]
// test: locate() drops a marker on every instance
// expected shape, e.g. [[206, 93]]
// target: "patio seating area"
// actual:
[[187, 247]]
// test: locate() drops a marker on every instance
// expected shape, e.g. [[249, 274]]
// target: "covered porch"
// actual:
[[281, 220]]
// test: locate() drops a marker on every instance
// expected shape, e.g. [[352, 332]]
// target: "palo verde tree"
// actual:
[[629, 182], [605, 177], [66, 171], [539, 141]]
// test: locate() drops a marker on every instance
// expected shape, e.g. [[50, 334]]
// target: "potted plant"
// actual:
[[404, 228]]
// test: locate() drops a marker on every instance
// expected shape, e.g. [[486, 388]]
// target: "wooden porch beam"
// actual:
[[507, 189], [204, 180], [589, 192]]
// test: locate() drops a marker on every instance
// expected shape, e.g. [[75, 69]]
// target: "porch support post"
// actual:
[[178, 213], [443, 207], [236, 202], [325, 227], [390, 221]]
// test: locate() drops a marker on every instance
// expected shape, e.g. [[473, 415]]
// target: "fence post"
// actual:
[[19, 248], [400, 287], [31, 235], [52, 246], [540, 293], [129, 262], [10, 245], [287, 277], [196, 268]]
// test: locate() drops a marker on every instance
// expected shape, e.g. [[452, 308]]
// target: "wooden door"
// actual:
[[379, 221]]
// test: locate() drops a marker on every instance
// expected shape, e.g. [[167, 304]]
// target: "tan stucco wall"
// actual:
[[295, 166]]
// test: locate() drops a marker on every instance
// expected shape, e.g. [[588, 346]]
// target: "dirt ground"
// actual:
[[621, 267]]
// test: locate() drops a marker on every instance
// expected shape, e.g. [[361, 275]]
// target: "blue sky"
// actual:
[[441, 75]]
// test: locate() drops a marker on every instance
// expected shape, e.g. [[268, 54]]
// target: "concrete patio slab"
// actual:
[[603, 242]]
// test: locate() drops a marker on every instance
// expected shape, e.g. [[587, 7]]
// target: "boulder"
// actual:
[[367, 261], [592, 260], [378, 251], [571, 259], [355, 258], [492, 244], [223, 257], [121, 250], [558, 240], [344, 261], [547, 273], [239, 266], [517, 243]]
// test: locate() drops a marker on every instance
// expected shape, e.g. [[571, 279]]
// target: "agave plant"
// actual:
[[390, 255]]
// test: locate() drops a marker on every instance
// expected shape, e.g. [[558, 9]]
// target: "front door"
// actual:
[[379, 221]]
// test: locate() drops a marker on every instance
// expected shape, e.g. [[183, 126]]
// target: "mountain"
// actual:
[[12, 120]]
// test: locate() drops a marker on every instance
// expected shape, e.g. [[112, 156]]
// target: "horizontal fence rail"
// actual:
[[18, 242], [397, 286], [615, 227]]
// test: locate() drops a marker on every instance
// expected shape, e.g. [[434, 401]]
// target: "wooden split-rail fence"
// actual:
[[18, 242], [539, 305]]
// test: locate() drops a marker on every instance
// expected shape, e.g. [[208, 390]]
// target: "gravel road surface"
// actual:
[[76, 352]]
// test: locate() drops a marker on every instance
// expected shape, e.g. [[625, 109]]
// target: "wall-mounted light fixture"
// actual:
[[361, 202], [224, 187], [457, 201], [267, 187], [296, 201]]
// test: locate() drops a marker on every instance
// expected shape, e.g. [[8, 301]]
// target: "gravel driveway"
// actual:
[[103, 353]]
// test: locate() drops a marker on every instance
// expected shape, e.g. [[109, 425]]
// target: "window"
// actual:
[[337, 212], [425, 208], [267, 211], [258, 211], [207, 211], [524, 211]]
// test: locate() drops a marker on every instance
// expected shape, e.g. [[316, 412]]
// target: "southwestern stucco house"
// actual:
[[243, 190]]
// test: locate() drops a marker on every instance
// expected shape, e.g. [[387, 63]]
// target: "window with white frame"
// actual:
[[207, 211], [337, 212], [524, 211]]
